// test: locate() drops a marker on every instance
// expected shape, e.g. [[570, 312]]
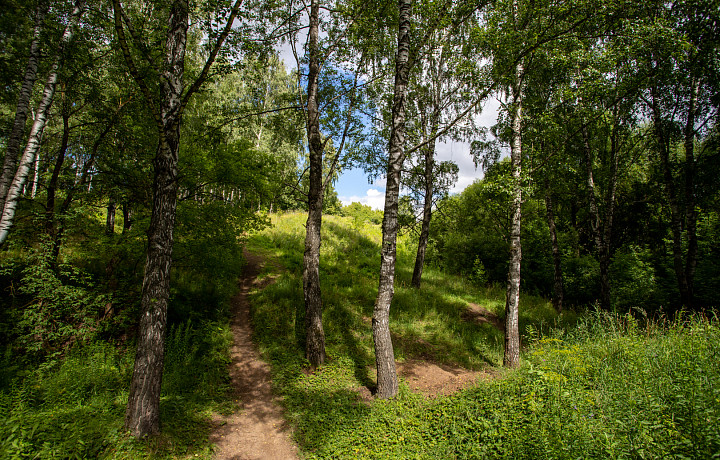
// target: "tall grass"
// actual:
[[75, 408], [597, 386]]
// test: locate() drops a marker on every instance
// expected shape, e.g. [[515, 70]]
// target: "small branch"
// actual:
[[137, 76], [213, 55]]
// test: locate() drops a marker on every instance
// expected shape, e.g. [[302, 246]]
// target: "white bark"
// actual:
[[33, 144]]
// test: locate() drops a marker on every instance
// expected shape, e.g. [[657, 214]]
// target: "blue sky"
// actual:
[[353, 186]]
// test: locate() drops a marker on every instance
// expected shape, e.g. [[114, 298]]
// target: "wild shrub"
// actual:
[[76, 408], [60, 304]]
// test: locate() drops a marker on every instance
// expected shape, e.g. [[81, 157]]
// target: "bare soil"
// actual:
[[434, 379], [477, 314], [258, 430]]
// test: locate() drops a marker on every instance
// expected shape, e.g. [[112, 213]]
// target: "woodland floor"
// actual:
[[258, 429]]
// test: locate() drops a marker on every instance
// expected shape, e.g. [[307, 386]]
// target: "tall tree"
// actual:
[[438, 92], [680, 108], [384, 354], [23, 106], [511, 356], [314, 335], [331, 96], [167, 98], [41, 116]]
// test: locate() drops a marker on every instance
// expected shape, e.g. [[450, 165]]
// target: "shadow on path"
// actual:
[[258, 429]]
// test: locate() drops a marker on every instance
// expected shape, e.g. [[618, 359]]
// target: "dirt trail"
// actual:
[[258, 430]]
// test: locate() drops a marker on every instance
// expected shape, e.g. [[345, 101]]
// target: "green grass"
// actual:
[[75, 407], [591, 387]]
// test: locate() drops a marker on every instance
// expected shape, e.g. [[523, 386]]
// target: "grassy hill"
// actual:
[[599, 386]]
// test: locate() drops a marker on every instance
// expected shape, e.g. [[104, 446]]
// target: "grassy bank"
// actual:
[[595, 387]]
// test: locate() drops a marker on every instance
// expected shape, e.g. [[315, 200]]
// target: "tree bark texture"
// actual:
[[606, 250], [110, 218], [600, 232], [384, 354], [558, 285], [314, 335], [429, 151], [53, 183], [142, 416], [127, 217], [511, 356], [33, 143], [23, 107], [427, 215]]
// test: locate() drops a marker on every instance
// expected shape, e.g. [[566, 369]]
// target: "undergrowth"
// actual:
[[75, 408], [598, 386]]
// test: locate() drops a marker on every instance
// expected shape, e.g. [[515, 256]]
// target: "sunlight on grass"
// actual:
[[589, 387]]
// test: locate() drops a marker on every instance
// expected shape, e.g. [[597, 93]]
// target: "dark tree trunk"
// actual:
[[601, 244], [511, 357], [663, 143], [384, 354], [127, 217], [427, 214], [23, 107], [53, 183], [110, 218], [142, 416], [690, 212], [59, 217], [558, 285], [606, 249], [314, 335]]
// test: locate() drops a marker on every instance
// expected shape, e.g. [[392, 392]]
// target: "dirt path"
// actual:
[[480, 315], [258, 430]]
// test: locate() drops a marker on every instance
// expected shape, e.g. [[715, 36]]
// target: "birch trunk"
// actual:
[[142, 416], [23, 107], [33, 144], [427, 215], [384, 354], [511, 356], [314, 334]]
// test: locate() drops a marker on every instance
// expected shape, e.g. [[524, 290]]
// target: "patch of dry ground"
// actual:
[[432, 379], [258, 430]]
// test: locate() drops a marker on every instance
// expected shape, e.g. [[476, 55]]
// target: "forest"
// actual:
[[170, 173]]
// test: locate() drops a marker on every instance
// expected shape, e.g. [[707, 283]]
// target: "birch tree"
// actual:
[[167, 95], [41, 116]]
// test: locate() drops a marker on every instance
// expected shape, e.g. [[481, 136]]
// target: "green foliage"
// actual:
[[60, 304], [76, 408], [635, 285], [208, 257], [599, 387], [361, 213], [478, 274]]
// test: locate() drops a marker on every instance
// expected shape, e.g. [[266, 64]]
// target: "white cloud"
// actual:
[[373, 198], [459, 152]]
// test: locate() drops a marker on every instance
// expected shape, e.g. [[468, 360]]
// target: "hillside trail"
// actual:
[[258, 430]]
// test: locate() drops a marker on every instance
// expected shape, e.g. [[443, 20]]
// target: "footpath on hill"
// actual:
[[258, 430]]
